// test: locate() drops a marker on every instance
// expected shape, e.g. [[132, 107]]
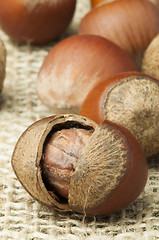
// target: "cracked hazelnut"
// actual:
[[70, 163]]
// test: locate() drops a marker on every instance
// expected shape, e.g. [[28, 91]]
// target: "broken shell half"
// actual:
[[150, 61], [26, 159]]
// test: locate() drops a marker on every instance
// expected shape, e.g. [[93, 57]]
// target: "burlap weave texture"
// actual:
[[20, 216]]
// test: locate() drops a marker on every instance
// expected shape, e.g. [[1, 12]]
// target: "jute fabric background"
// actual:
[[20, 216]]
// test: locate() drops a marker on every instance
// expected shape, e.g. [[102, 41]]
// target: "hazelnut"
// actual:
[[74, 66], [61, 155], [70, 163], [131, 100], [37, 21], [131, 24]]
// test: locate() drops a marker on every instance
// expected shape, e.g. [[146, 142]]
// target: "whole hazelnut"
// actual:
[[150, 61], [37, 21], [74, 66], [70, 163], [131, 24], [131, 100]]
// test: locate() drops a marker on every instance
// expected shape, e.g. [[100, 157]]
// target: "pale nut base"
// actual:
[[150, 63], [134, 104]]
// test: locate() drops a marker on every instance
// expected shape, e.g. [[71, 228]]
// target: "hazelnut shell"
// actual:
[[131, 24], [37, 21], [74, 66], [110, 173], [108, 176], [131, 100], [27, 157]]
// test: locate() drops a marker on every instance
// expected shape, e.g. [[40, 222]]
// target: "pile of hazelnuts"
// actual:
[[92, 160]]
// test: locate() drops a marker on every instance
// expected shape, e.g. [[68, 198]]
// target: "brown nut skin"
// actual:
[[35, 21], [74, 66], [131, 100], [110, 173], [131, 24], [2, 64], [61, 153]]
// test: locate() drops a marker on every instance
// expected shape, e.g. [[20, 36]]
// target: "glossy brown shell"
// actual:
[[27, 156], [101, 189], [134, 107], [37, 21], [74, 66], [110, 173], [130, 24]]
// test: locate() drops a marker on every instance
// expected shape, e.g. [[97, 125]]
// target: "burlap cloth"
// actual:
[[20, 216]]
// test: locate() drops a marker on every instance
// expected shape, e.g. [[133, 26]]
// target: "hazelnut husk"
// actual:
[[108, 171], [2, 64]]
